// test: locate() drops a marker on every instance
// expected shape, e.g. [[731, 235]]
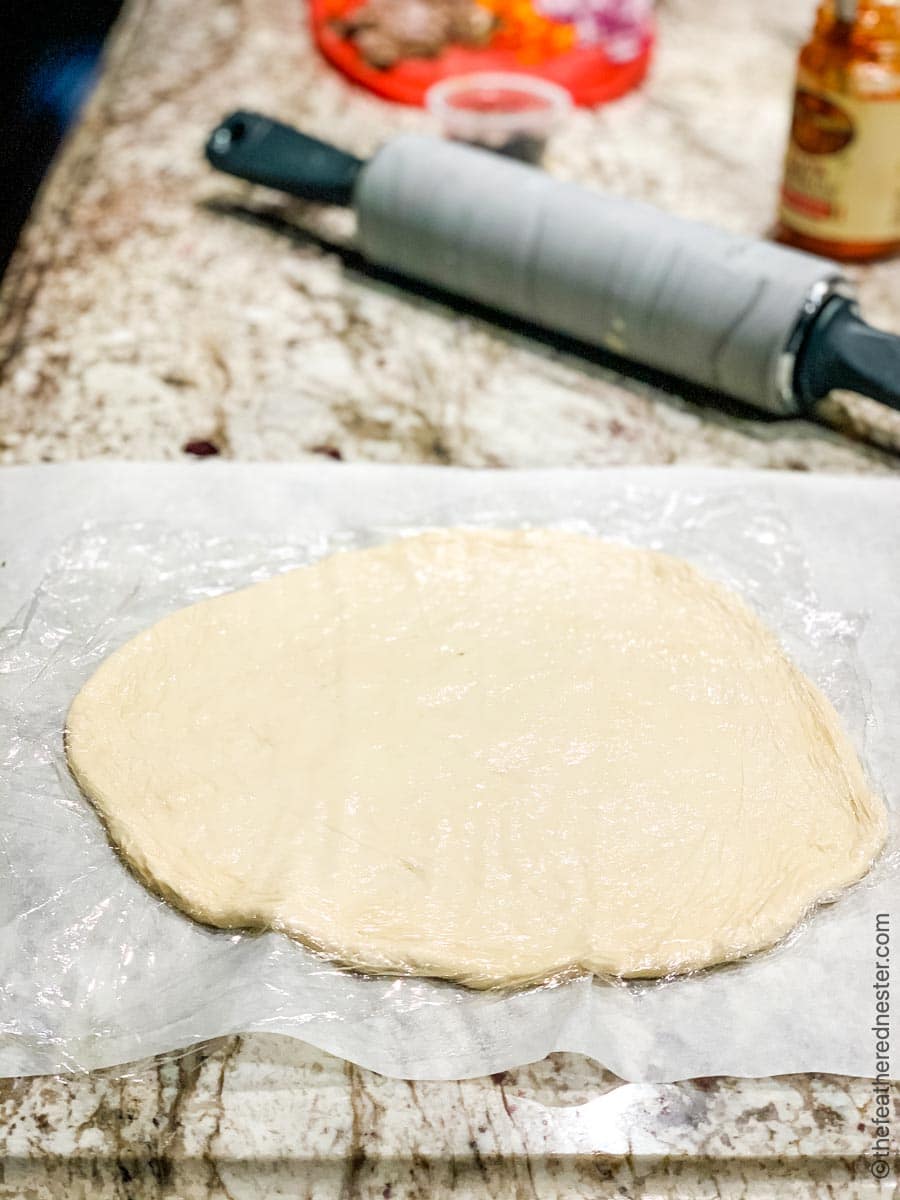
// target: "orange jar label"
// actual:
[[842, 170]]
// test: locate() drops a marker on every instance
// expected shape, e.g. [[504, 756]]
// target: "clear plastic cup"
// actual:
[[505, 111]]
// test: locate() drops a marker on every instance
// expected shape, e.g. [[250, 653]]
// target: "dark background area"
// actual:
[[49, 60]]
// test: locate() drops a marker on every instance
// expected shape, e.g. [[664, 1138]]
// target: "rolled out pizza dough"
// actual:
[[490, 756]]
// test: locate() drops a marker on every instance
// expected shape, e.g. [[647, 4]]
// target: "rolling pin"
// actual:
[[773, 327]]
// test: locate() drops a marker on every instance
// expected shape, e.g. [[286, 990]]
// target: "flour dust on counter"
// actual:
[[489, 756]]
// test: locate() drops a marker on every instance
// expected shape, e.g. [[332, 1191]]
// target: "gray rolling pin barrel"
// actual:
[[696, 302]]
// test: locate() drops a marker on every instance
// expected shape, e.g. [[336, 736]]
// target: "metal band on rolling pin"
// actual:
[[688, 299]]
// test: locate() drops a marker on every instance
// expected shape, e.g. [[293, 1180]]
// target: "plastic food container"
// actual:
[[508, 112], [595, 49]]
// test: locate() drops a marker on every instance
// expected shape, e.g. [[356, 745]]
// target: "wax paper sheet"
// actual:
[[97, 971]]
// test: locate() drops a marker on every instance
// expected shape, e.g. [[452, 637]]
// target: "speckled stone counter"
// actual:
[[267, 1116], [152, 304]]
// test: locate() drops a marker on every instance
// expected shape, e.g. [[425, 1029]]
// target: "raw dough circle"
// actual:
[[490, 756]]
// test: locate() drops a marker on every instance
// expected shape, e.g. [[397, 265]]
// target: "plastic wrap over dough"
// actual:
[[491, 756]]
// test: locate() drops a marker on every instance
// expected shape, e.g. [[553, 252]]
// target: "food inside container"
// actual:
[[387, 31], [595, 49], [510, 113]]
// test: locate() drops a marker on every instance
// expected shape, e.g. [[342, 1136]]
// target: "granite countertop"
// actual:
[[152, 304], [263, 1115]]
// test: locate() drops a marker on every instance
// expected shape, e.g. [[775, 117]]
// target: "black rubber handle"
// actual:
[[264, 151], [842, 351]]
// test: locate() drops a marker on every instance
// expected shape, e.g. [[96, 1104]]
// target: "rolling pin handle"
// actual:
[[261, 150], [843, 352]]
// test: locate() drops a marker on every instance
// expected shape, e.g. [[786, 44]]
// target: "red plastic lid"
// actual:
[[586, 71]]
